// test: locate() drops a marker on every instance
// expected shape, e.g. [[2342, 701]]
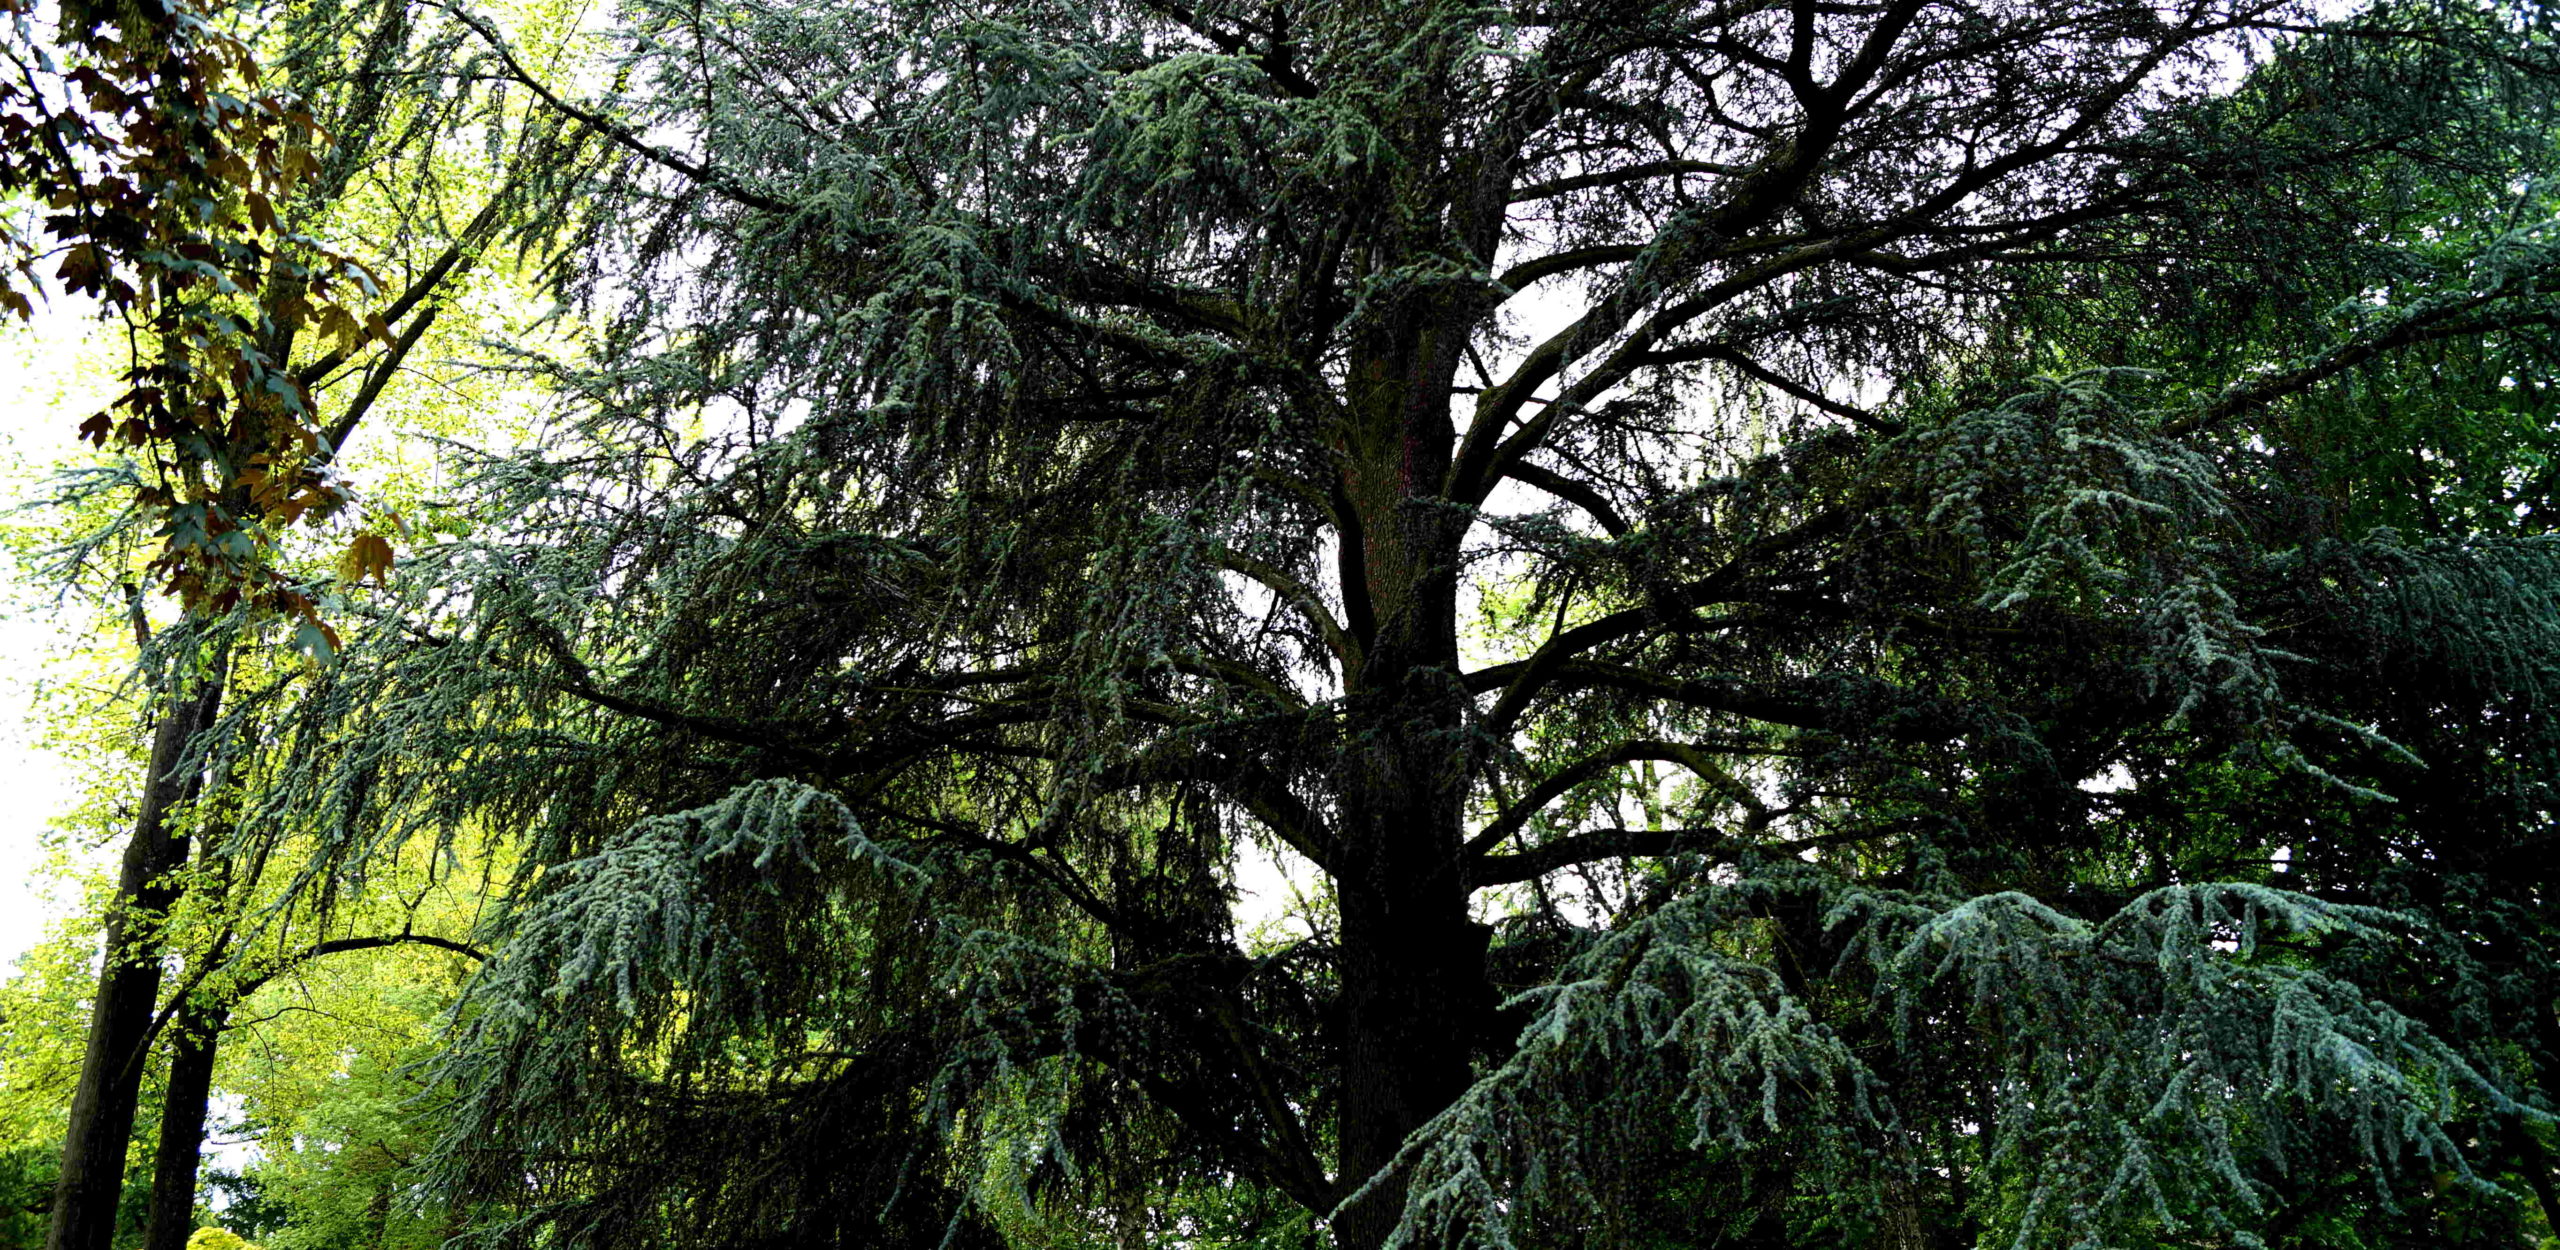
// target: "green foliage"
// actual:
[[1012, 477], [165, 181], [2007, 702]]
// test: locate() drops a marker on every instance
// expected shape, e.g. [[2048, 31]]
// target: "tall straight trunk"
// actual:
[[1415, 999], [182, 1115], [103, 1103]]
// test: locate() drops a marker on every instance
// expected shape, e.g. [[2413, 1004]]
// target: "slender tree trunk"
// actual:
[[378, 1214], [103, 1103], [2534, 1163], [182, 1117]]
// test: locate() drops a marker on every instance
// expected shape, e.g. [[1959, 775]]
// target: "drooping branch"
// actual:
[[2434, 323], [1581, 494], [1768, 377], [624, 137], [252, 983]]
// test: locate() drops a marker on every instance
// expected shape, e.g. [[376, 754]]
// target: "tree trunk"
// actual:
[[1414, 998], [182, 1117], [1414, 994], [2534, 1163], [103, 1103], [378, 1214]]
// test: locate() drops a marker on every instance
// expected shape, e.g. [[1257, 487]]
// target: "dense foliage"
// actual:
[[1913, 624]]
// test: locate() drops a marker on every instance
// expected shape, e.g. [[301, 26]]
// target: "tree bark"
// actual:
[[111, 1069], [2534, 1163], [1414, 994], [378, 1214], [182, 1116]]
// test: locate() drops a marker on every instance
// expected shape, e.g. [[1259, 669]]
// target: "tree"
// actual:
[[1037, 454], [189, 198]]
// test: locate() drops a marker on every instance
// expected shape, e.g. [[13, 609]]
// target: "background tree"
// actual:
[[191, 201]]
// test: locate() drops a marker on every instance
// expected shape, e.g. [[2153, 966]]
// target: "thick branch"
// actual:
[[1580, 494], [1522, 680], [1274, 60], [1556, 784], [469, 240], [1520, 276], [1583, 848], [1309, 604], [1621, 176]]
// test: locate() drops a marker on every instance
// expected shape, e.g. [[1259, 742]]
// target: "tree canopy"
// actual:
[[1913, 624]]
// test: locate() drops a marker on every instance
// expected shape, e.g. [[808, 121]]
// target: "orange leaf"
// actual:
[[368, 556]]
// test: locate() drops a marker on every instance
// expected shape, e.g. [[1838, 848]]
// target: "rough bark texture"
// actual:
[[103, 1104]]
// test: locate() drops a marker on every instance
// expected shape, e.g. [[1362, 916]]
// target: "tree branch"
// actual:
[[622, 136], [1584, 848], [1310, 605], [1521, 680], [2443, 321], [1580, 494], [1592, 845], [1619, 177], [1556, 784]]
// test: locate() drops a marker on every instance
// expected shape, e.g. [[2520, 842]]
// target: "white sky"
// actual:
[[46, 389]]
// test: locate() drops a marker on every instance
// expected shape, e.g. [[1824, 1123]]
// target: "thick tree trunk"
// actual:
[[103, 1103], [1414, 994], [182, 1117]]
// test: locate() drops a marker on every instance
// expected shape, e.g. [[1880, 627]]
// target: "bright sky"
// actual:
[[35, 786], [44, 393]]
